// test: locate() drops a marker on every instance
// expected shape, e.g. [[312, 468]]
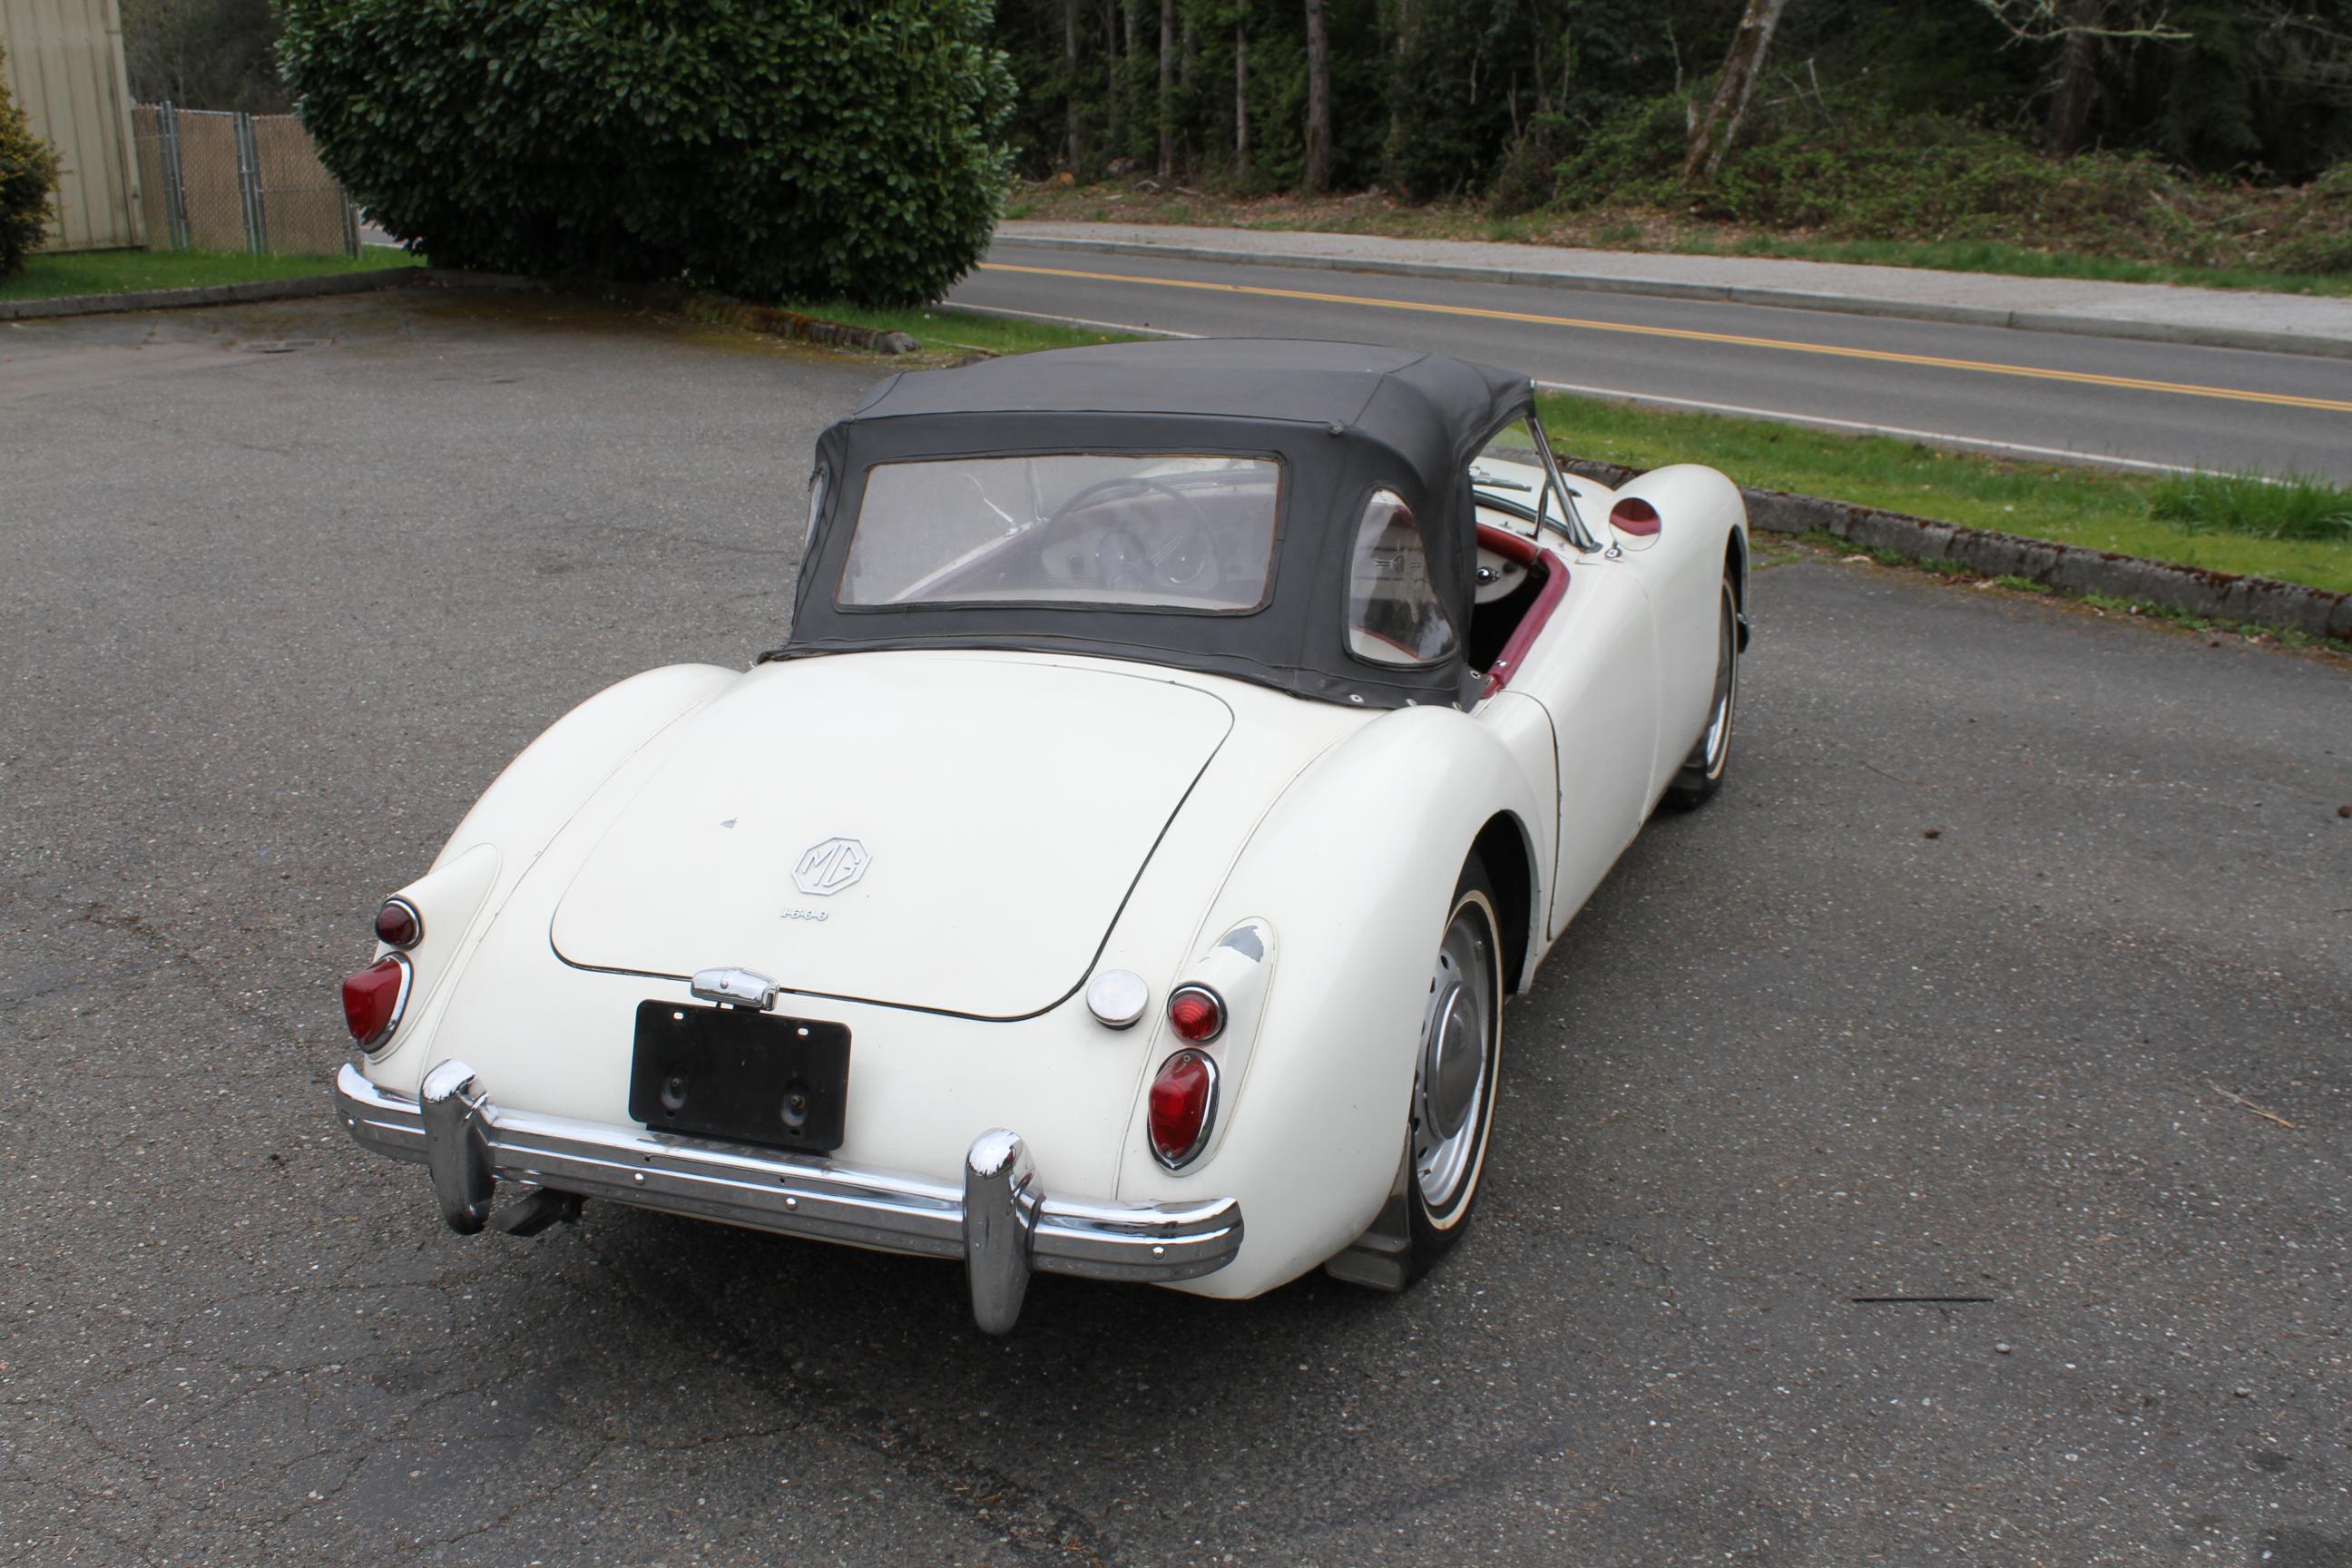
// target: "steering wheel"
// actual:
[[1123, 558]]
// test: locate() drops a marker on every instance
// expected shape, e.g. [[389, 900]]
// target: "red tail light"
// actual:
[[374, 998], [398, 924], [1635, 516], [1184, 1099], [1196, 1013]]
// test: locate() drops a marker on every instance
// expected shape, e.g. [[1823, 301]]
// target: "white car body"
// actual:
[[990, 828]]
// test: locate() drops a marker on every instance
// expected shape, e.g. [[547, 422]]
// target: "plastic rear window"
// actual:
[[1394, 616], [1185, 532]]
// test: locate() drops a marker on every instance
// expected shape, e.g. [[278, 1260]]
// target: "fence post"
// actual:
[[248, 184], [175, 188]]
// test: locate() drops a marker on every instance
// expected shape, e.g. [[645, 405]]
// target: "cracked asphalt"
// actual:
[[2014, 964]]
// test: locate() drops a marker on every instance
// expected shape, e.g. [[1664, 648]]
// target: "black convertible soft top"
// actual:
[[1344, 419]]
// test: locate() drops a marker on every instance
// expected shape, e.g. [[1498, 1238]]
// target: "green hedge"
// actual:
[[767, 148], [28, 176]]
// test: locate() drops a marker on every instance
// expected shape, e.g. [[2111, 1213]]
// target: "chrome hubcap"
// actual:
[[1726, 678], [1453, 1066], [1450, 1080]]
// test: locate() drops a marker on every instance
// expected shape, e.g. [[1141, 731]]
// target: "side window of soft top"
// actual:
[[1394, 616]]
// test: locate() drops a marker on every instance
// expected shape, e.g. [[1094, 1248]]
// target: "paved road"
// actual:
[[2235, 318], [2025, 392], [268, 621]]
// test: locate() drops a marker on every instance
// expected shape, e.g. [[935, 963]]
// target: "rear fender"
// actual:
[[1354, 867], [516, 818], [1702, 527], [529, 804]]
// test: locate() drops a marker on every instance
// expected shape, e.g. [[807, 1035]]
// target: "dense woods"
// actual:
[[1447, 98], [205, 54]]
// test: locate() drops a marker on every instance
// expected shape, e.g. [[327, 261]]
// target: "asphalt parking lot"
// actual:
[[2014, 964]]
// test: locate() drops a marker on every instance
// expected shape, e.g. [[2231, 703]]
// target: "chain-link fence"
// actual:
[[217, 181]]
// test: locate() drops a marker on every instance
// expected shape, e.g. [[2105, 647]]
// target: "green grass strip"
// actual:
[[48, 276], [2095, 508], [2291, 507]]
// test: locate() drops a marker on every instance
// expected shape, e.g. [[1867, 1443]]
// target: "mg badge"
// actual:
[[827, 868]]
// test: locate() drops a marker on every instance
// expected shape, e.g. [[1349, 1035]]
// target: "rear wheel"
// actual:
[[1702, 772], [1452, 1114]]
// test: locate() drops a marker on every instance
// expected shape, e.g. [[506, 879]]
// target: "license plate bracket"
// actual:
[[744, 1077]]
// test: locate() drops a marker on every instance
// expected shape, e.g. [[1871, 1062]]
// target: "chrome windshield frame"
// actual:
[[1575, 526]]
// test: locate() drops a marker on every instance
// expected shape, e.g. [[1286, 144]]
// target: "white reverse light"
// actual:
[[1118, 997]]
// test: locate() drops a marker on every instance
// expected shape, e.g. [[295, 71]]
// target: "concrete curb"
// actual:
[[1721, 293], [2070, 568], [457, 277], [711, 307], [258, 292], [212, 294]]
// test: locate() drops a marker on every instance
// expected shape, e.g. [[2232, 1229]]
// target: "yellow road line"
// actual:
[[1934, 361]]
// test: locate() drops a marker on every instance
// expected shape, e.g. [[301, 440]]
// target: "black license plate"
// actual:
[[749, 1077]]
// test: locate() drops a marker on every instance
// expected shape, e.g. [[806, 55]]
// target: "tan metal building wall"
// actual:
[[65, 67]]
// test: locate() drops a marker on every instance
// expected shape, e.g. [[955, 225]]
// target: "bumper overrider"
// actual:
[[999, 1222]]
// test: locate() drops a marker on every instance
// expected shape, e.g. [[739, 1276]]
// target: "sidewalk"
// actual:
[[2159, 313]]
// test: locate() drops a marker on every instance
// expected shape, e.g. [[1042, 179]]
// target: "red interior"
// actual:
[[1512, 547], [1551, 575], [1634, 516]]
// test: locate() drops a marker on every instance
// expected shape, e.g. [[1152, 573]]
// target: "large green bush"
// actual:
[[28, 176], [769, 148]]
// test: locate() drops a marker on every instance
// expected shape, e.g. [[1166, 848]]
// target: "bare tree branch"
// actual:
[[2048, 21]]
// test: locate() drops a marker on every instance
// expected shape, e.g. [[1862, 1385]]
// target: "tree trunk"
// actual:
[[1319, 99], [1397, 88], [1711, 134], [1166, 88], [1188, 55], [1241, 98], [2076, 92], [1111, 73], [1129, 13], [1073, 139]]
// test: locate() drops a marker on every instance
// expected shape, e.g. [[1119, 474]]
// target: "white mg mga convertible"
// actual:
[[1181, 751]]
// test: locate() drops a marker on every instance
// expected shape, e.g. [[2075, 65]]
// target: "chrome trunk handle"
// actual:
[[733, 987]]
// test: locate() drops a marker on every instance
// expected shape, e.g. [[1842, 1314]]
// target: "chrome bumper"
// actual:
[[998, 1222]]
